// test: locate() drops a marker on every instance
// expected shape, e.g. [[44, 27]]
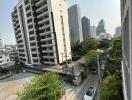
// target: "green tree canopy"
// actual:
[[42, 87], [89, 44], [91, 58], [111, 88], [117, 48], [104, 44]]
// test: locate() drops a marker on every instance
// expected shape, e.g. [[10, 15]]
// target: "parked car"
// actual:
[[94, 71], [90, 93]]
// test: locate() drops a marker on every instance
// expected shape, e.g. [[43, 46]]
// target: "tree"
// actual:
[[91, 59], [89, 44], [111, 88], [117, 48], [104, 44], [43, 87], [76, 49]]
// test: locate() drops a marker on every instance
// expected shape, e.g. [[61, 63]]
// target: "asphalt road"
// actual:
[[92, 81], [79, 92]]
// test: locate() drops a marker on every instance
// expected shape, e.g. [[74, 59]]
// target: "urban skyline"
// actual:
[[62, 45], [8, 33]]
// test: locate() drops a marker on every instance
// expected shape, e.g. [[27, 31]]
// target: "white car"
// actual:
[[90, 93]]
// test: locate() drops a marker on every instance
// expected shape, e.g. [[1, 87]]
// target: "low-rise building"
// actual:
[[104, 36], [5, 59]]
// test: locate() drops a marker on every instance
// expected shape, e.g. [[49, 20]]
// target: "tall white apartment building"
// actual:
[[126, 18], [42, 31]]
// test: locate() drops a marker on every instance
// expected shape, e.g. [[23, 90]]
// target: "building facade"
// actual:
[[126, 18], [1, 43], [5, 59], [85, 27], [118, 31], [75, 24], [93, 31], [42, 31], [101, 27]]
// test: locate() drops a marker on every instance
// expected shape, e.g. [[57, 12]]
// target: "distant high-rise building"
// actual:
[[42, 31], [118, 31], [93, 31], [101, 27], [85, 27], [126, 17], [1, 43], [75, 24]]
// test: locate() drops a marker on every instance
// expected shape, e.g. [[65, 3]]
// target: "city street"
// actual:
[[16, 83], [77, 93]]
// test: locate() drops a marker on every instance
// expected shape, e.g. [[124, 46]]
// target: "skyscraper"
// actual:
[[101, 27], [42, 31], [1, 43], [85, 27], [93, 31], [75, 24], [126, 17], [118, 31]]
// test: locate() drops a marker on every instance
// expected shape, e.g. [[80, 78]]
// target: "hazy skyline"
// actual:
[[109, 10]]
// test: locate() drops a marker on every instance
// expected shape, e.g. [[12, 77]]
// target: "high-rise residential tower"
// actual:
[[85, 27], [42, 31], [126, 17], [101, 27], [75, 24]]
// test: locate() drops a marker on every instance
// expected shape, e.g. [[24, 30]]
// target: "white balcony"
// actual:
[[20, 44], [27, 5], [49, 57], [45, 33], [39, 9], [34, 46], [21, 52], [47, 39], [44, 13], [29, 11], [32, 41], [48, 45], [19, 39], [30, 17], [42, 21], [31, 23], [39, 2], [34, 52], [17, 35], [32, 35], [30, 29], [48, 51], [44, 27]]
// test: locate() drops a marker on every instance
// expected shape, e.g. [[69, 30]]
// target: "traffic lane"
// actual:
[[93, 81]]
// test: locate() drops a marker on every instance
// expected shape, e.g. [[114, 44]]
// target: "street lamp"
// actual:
[[99, 72]]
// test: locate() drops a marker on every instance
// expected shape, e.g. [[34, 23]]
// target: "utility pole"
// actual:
[[99, 72]]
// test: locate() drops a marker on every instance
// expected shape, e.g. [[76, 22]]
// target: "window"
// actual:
[[34, 55], [35, 60], [33, 44]]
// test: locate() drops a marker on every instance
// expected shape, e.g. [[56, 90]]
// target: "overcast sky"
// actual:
[[109, 10]]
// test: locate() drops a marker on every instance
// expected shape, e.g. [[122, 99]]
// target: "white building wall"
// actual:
[[59, 8]]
